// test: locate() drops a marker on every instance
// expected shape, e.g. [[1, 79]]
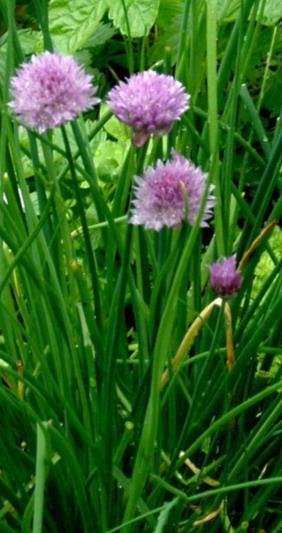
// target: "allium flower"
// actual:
[[148, 102], [50, 90], [225, 279], [170, 193]]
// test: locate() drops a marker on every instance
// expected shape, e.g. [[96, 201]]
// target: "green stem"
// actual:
[[181, 56], [213, 120], [40, 477], [90, 253], [224, 419], [41, 8], [160, 355], [128, 44]]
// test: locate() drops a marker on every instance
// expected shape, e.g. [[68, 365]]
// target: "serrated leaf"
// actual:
[[31, 41], [141, 15], [73, 22]]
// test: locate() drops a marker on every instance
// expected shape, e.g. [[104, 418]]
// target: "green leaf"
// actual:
[[31, 43], [58, 159], [115, 127], [102, 34], [164, 514], [265, 264], [109, 157], [227, 10], [141, 15], [73, 22], [272, 97], [168, 10], [168, 22], [272, 12]]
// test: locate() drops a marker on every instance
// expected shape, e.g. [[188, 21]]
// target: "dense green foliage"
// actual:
[[92, 310]]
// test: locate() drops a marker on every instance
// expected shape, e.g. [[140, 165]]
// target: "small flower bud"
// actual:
[[225, 279]]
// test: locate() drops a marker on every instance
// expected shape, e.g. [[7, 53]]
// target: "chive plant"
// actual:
[[138, 394]]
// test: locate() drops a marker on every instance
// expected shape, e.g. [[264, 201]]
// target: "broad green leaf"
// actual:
[[227, 10], [108, 159], [115, 127], [141, 15], [265, 264], [168, 22], [168, 36], [272, 12], [168, 10], [31, 43], [102, 34], [73, 22]]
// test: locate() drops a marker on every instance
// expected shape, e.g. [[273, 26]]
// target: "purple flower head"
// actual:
[[50, 90], [148, 102], [170, 193], [225, 279]]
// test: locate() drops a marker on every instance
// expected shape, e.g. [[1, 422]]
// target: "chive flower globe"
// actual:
[[50, 90], [149, 103], [170, 193], [225, 278]]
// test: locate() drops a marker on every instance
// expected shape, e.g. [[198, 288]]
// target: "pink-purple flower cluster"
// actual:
[[170, 193], [148, 102], [225, 278], [51, 90]]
